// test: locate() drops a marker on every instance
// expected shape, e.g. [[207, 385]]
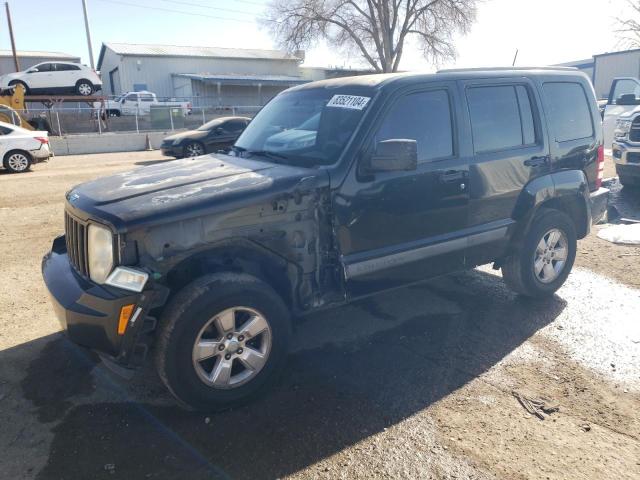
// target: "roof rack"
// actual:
[[489, 69]]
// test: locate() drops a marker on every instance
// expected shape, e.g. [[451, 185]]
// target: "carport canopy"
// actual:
[[251, 80]]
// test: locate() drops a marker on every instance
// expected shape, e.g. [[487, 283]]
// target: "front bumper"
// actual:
[[626, 156], [90, 312], [172, 150]]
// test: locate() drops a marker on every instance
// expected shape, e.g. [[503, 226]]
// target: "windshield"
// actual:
[[210, 125], [306, 127]]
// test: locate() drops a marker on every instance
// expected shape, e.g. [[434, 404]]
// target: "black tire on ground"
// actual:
[[628, 181], [193, 149], [18, 82], [518, 270], [182, 324], [17, 161], [84, 87]]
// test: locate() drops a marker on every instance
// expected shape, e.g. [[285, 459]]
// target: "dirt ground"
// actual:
[[418, 383]]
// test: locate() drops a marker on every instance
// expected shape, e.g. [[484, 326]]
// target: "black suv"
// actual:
[[400, 177]]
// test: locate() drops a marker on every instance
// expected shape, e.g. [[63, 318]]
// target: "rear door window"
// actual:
[[568, 111], [501, 117]]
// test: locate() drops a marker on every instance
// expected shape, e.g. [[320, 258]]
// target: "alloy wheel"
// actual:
[[232, 348], [194, 150], [18, 162], [84, 89], [551, 255]]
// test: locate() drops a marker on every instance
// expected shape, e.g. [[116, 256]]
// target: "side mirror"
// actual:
[[219, 131], [32, 70], [393, 155], [627, 99]]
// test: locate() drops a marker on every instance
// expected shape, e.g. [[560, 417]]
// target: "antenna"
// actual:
[[514, 58]]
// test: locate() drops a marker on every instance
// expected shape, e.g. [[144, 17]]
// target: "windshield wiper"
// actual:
[[267, 153], [275, 156]]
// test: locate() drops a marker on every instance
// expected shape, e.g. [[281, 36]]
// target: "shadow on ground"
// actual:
[[428, 341]]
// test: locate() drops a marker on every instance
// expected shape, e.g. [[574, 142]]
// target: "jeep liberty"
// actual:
[[390, 179]]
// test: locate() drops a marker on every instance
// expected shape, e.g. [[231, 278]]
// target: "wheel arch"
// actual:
[[566, 191], [241, 256]]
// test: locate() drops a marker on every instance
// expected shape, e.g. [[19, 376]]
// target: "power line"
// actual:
[[208, 6], [169, 10], [250, 2]]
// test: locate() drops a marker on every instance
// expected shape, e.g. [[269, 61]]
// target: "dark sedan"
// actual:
[[214, 136]]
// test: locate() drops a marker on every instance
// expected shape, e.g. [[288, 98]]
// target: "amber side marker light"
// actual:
[[125, 315]]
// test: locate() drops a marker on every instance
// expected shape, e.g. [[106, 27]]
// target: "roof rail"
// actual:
[[490, 69]]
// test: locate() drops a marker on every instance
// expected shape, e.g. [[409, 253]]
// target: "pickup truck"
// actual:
[[132, 103], [624, 98]]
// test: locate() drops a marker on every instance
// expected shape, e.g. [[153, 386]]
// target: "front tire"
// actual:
[[17, 161], [18, 82], [194, 149], [628, 182], [545, 258], [222, 341]]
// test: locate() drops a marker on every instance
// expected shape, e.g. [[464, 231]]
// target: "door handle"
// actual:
[[451, 176], [537, 161]]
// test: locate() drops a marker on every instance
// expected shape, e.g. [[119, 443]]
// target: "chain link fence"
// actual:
[[64, 120]]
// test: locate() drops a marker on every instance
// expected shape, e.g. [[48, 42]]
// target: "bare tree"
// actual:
[[629, 28], [375, 29]]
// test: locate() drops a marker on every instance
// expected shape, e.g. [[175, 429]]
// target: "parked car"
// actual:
[[624, 98], [410, 176], [140, 103], [302, 136], [20, 148], [626, 148], [217, 135], [55, 78]]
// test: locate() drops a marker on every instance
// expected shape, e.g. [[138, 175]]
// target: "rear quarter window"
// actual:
[[568, 111]]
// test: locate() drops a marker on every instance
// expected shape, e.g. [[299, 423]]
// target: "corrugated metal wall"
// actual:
[[609, 66], [232, 95], [156, 72]]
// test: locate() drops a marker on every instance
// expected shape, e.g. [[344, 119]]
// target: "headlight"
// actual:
[[100, 249], [622, 128]]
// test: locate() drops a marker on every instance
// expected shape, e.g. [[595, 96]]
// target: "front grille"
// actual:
[[634, 134], [76, 236]]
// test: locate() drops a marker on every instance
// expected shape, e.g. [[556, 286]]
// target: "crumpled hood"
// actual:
[[185, 188]]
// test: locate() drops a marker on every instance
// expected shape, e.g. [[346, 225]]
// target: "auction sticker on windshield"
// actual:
[[348, 101]]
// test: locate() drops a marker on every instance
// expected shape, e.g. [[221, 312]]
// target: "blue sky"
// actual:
[[545, 31]]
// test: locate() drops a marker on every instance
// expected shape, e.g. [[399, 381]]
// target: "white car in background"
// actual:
[[20, 148], [55, 78]]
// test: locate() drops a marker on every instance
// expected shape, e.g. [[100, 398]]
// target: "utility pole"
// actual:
[[13, 41], [86, 26]]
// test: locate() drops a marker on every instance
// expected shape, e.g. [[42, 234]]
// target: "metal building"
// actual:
[[29, 59], [608, 66], [211, 75]]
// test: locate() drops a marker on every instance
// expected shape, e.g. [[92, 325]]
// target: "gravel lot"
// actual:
[[414, 384]]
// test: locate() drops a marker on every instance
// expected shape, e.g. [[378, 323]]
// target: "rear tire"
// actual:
[[17, 161], [545, 258], [84, 88], [206, 340]]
